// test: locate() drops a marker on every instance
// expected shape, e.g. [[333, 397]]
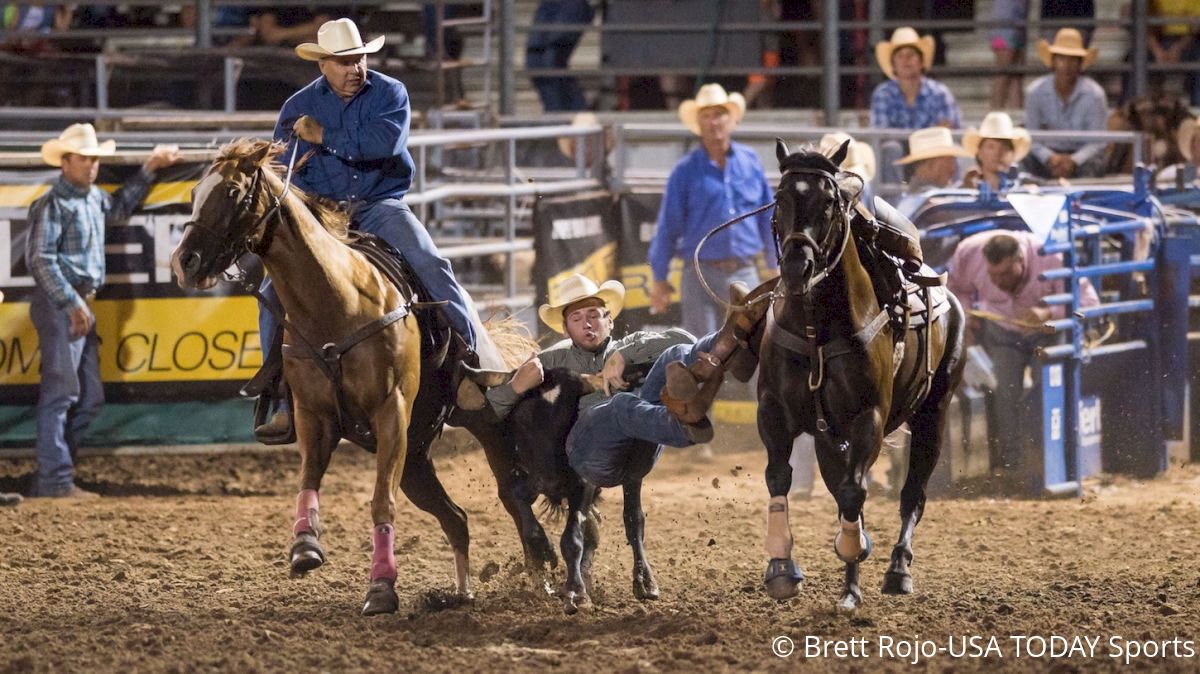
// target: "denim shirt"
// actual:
[[65, 249], [364, 154], [638, 348], [934, 103], [700, 196]]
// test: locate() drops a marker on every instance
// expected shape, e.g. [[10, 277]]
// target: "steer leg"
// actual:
[[644, 585], [574, 591]]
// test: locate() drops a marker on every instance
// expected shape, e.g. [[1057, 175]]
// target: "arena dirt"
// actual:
[[181, 568]]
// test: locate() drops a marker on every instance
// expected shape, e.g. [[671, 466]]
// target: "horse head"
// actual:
[[229, 209], [811, 217]]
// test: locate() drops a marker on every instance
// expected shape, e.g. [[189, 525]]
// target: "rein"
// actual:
[[696, 256]]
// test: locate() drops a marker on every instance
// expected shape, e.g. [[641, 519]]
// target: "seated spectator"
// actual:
[[29, 17], [995, 276], [860, 160], [1183, 175], [909, 99], [933, 157], [550, 47], [283, 26], [997, 147], [1066, 100], [1175, 43]]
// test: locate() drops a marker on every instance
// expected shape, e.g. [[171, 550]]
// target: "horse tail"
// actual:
[[552, 511], [512, 340]]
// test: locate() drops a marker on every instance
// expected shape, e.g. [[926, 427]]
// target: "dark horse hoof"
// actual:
[[645, 588], [307, 553], [897, 583], [783, 579], [381, 597]]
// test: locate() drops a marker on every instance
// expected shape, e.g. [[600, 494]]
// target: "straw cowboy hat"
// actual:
[[710, 95], [860, 158], [337, 38], [566, 144], [904, 37], [1000, 126], [1187, 130], [1067, 42], [76, 139], [935, 141], [576, 288]]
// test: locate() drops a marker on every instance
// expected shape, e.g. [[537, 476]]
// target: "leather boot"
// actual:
[[690, 391], [277, 425]]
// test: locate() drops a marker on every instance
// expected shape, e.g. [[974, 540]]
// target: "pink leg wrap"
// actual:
[[383, 559], [306, 506]]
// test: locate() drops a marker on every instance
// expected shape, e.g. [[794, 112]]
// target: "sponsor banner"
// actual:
[[639, 216], [156, 339], [573, 235]]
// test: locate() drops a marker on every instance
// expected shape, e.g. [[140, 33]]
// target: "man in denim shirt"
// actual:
[[65, 254], [356, 122]]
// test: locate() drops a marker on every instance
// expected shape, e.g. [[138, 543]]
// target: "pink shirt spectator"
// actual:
[[969, 279]]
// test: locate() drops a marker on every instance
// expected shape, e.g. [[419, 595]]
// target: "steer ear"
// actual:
[[470, 394]]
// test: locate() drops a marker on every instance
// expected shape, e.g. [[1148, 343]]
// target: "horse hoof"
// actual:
[[572, 602], [897, 583], [644, 587], [848, 603], [381, 598], [306, 554], [782, 588]]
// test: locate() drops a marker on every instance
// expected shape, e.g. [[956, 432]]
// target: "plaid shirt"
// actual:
[[65, 250], [934, 103]]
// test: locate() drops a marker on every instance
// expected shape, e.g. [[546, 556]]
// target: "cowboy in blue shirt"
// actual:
[[357, 120], [65, 255]]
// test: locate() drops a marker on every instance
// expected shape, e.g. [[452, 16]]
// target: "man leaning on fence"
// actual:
[[65, 254], [355, 121]]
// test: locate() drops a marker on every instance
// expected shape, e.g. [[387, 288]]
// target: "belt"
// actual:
[[729, 264]]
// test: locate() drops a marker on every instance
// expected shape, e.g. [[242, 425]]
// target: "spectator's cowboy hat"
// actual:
[[1187, 130], [904, 36], [1067, 42], [935, 141], [76, 139], [566, 144], [710, 95], [337, 38], [576, 288], [860, 158], [998, 125]]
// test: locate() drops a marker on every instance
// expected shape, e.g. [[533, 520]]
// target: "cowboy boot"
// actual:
[[690, 391]]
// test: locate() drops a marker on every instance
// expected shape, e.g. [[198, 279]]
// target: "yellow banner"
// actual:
[[598, 266], [149, 340], [22, 196]]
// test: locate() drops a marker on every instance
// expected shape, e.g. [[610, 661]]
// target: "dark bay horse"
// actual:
[[833, 364], [333, 295]]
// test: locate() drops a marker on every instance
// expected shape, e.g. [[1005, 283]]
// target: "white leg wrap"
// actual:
[[462, 572], [850, 540], [779, 533]]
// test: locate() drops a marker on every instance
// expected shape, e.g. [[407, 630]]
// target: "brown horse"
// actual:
[[840, 364], [371, 361]]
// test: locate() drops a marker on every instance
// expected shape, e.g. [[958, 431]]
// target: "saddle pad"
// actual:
[[918, 313]]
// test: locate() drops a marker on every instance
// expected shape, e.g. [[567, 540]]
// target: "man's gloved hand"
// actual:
[[309, 130]]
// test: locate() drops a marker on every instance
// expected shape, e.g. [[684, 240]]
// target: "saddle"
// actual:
[[353, 423]]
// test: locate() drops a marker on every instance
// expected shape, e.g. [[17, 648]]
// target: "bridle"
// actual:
[[828, 253]]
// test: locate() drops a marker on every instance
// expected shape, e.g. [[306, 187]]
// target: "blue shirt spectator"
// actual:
[[934, 104], [364, 155]]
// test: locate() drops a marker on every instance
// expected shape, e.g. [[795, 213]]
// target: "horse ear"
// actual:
[[259, 156], [781, 150], [839, 155]]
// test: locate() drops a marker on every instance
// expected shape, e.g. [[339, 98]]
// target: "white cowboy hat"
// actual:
[[1187, 129], [860, 158], [710, 95], [566, 144], [76, 139], [1000, 126], [935, 141], [904, 36], [578, 287], [1067, 42], [337, 38]]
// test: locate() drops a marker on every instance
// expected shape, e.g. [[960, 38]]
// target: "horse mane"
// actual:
[[333, 219]]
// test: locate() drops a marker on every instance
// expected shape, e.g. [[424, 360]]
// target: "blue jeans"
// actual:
[[70, 395], [558, 94], [701, 315], [621, 438], [394, 222]]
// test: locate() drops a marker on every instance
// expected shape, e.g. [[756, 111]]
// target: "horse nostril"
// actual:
[[192, 264]]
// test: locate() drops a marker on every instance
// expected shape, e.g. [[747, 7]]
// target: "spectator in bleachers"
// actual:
[[1184, 174], [933, 164], [65, 255], [1176, 43], [909, 99], [547, 46], [282, 26], [711, 184], [1008, 45], [1066, 100], [29, 17], [995, 276], [997, 146]]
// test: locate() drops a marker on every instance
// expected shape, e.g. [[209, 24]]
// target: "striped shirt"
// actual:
[[65, 250]]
